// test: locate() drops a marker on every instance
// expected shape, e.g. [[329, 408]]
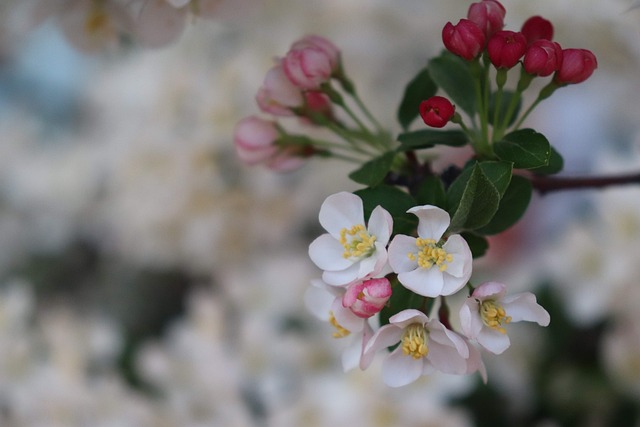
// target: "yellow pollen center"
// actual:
[[494, 316], [357, 242], [430, 254], [340, 332], [414, 341]]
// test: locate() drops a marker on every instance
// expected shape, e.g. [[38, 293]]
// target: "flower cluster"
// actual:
[[95, 25], [395, 251], [302, 85], [363, 269]]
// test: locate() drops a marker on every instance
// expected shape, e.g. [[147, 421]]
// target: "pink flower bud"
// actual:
[[277, 95], [367, 297], [488, 15], [537, 28], [542, 58], [310, 62], [254, 139], [505, 48], [255, 142], [436, 111], [577, 66], [318, 103], [464, 39]]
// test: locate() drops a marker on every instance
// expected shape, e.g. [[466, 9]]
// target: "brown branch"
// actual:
[[545, 184]]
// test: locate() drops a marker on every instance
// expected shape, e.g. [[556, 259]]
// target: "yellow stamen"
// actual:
[[340, 332], [414, 341], [357, 242], [494, 316], [430, 253]]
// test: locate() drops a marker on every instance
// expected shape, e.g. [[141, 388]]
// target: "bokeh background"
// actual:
[[148, 278]]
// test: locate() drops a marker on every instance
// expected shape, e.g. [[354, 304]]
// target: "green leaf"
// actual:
[[556, 163], [395, 201], [513, 205], [373, 172], [428, 138], [498, 172], [526, 148], [453, 75], [477, 244], [505, 100], [431, 192], [419, 88], [477, 203]]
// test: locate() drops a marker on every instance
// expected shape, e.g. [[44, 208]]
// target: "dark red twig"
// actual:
[[548, 184]]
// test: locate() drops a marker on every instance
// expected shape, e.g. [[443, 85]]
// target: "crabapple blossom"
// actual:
[[88, 25], [277, 95], [430, 265], [542, 58], [577, 66], [311, 61], [484, 315], [325, 302], [488, 15], [425, 346], [537, 28], [464, 39], [505, 48], [367, 297], [436, 111], [350, 250]]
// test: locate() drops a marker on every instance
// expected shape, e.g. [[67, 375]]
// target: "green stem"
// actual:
[[545, 92], [523, 84], [347, 136]]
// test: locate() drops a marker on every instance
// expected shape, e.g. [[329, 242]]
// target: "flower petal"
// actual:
[[399, 370], [446, 358], [460, 266], [380, 225], [345, 317], [493, 290], [525, 307], [318, 301], [351, 354], [341, 210], [494, 341], [427, 282], [342, 277], [432, 221], [386, 336], [470, 320], [408, 317], [399, 248], [326, 252]]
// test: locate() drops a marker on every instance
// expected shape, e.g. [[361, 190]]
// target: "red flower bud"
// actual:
[[537, 28], [436, 111], [542, 58], [577, 66], [505, 48], [488, 15], [464, 39]]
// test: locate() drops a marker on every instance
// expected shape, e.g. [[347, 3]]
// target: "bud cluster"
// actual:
[[300, 85], [481, 40]]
